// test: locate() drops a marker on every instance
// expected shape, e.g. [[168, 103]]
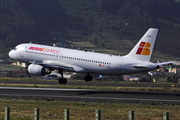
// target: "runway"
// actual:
[[89, 95], [97, 83]]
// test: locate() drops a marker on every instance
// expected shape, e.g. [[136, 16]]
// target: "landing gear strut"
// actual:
[[62, 80], [88, 78]]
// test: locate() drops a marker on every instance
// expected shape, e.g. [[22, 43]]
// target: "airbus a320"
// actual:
[[43, 59]]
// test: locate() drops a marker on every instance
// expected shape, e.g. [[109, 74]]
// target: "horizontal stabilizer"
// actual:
[[152, 66], [163, 63]]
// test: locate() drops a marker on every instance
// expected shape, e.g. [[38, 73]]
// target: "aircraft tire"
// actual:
[[62, 81], [88, 78]]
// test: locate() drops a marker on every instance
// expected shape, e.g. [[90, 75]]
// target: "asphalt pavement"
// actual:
[[90, 95], [93, 83]]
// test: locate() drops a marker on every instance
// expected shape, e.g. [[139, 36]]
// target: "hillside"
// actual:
[[112, 24]]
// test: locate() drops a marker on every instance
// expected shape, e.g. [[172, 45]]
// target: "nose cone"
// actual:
[[12, 54]]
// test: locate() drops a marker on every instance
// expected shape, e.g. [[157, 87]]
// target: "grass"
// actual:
[[156, 89], [106, 51], [10, 67], [86, 86], [51, 109], [24, 109], [83, 44], [156, 55]]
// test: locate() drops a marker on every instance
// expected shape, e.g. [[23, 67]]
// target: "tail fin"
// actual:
[[143, 49]]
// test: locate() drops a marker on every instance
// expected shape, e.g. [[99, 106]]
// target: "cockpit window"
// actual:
[[15, 48]]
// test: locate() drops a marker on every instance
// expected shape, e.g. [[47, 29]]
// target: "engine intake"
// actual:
[[39, 70]]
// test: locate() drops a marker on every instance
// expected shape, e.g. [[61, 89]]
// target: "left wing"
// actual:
[[59, 65]]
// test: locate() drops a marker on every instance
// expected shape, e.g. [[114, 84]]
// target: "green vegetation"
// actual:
[[52, 109], [10, 67], [87, 86], [127, 45], [106, 51], [83, 44], [49, 109], [177, 0], [156, 89], [110, 24], [156, 55], [21, 79]]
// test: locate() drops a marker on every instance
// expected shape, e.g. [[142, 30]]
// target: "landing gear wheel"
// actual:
[[88, 78], [62, 81]]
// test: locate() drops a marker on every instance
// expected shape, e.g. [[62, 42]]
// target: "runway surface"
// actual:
[[89, 95], [97, 83]]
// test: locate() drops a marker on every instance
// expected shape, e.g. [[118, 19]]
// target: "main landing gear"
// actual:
[[62, 80], [88, 78]]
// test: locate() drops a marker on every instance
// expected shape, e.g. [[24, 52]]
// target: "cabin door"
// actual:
[[119, 65]]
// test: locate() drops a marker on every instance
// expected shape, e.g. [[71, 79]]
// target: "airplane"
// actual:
[[43, 59]]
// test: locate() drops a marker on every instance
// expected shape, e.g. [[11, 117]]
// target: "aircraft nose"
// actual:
[[11, 54]]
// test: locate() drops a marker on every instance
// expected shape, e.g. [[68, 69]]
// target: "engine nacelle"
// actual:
[[39, 70], [154, 67]]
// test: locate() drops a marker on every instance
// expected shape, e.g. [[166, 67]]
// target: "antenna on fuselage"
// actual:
[[30, 42]]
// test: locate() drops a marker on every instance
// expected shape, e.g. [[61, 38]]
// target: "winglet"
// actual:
[[143, 49]]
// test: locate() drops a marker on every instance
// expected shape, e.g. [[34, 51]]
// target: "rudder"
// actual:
[[143, 49]]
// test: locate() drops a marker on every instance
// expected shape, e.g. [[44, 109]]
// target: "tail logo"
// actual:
[[144, 48]]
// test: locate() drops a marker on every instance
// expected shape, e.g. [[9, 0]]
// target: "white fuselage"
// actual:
[[45, 58], [83, 61]]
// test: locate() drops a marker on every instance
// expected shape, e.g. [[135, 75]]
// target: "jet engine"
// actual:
[[153, 67], [39, 70]]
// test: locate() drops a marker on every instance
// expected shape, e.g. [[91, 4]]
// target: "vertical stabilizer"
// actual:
[[143, 49]]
